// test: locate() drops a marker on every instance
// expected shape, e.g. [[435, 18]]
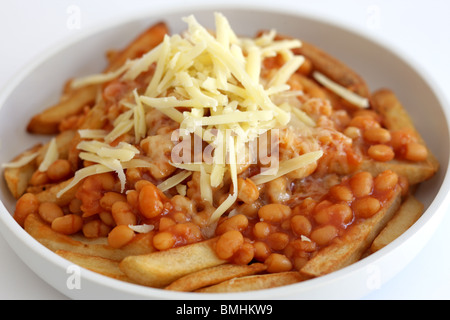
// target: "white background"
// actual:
[[420, 28]]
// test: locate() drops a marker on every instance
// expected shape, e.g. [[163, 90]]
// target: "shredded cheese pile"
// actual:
[[215, 77]]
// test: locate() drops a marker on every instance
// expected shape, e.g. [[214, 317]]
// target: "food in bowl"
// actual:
[[210, 162]]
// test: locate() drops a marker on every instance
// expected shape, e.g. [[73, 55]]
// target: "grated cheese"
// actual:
[[174, 180], [287, 166], [21, 162], [341, 91], [50, 156], [216, 78]]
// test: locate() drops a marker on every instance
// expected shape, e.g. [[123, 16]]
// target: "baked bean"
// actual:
[[39, 178], [49, 211], [188, 231], [301, 225], [323, 235], [377, 135], [27, 204], [107, 181], [75, 205], [133, 198], [401, 138], [385, 181], [277, 190], [95, 229], [60, 169], [361, 184], [277, 262], [341, 193], [306, 207], [150, 203], [366, 207], [179, 217], [249, 210], [261, 229], [278, 240], [364, 122], [274, 212], [367, 113], [415, 152], [247, 191], [339, 213], [381, 152], [299, 262], [165, 223], [120, 236], [68, 224], [122, 213], [245, 254], [109, 198], [107, 218], [141, 184], [353, 132], [238, 222], [183, 204], [163, 240], [228, 244], [262, 250]]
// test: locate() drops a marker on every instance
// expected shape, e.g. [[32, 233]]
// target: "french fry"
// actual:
[[17, 178], [255, 282], [408, 213], [414, 172], [386, 103], [49, 193], [47, 121], [146, 41], [103, 266], [214, 275], [160, 268], [333, 69], [62, 140], [353, 244], [56, 241]]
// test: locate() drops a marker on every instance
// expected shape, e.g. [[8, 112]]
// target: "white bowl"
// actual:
[[40, 83]]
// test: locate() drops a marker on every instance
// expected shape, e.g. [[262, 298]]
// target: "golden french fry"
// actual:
[[160, 268], [50, 192], [103, 266], [62, 140], [17, 178], [47, 121], [408, 213], [395, 117], [214, 275], [415, 172], [255, 282], [54, 241], [334, 69], [357, 239], [146, 41]]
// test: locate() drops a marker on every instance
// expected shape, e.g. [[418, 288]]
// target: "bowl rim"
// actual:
[[430, 217]]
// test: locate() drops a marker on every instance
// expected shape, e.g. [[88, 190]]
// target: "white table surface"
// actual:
[[419, 27]]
